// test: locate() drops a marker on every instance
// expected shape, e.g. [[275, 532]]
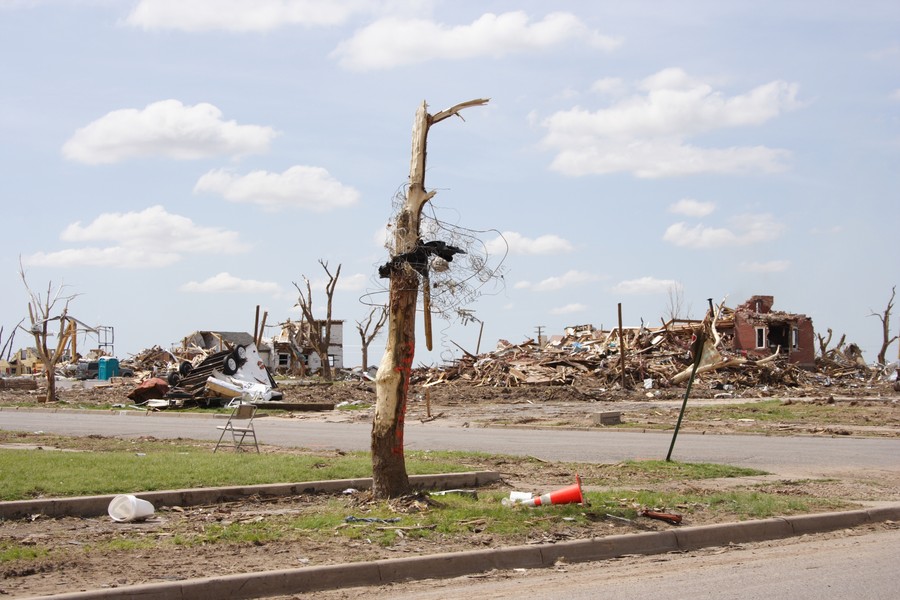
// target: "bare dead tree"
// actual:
[[409, 262], [368, 329], [676, 308], [319, 331], [7, 346], [824, 352], [41, 309], [885, 318]]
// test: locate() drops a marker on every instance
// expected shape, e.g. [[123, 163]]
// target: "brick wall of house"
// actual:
[[778, 330]]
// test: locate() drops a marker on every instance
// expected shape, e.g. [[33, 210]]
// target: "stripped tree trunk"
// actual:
[[40, 312], [390, 479]]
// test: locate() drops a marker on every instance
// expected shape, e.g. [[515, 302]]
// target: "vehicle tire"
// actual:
[[240, 355], [185, 368], [173, 378], [230, 366]]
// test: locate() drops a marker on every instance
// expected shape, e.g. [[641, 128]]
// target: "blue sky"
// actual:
[[176, 163]]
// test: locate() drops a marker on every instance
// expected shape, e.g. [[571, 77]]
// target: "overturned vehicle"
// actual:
[[217, 379]]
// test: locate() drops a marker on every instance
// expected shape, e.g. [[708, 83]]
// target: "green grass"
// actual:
[[453, 516], [448, 516], [112, 466], [777, 411], [10, 551], [665, 470]]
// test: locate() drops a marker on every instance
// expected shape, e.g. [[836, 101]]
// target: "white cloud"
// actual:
[[885, 53], [310, 188], [833, 230], [692, 208], [395, 41], [568, 279], [166, 128], [747, 229], [146, 239], [645, 285], [240, 15], [353, 283], [568, 309], [112, 256], [519, 244], [646, 134], [772, 266], [612, 86], [229, 284], [895, 95], [383, 237]]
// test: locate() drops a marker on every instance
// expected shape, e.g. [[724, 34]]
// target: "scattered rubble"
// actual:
[[750, 347]]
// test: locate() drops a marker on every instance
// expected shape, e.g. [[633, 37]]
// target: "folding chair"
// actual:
[[240, 425]]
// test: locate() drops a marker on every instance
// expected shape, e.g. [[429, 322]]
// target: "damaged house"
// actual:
[[757, 331], [293, 352], [748, 345], [22, 362]]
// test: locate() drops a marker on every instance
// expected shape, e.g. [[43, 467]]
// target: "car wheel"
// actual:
[[240, 355], [173, 378], [185, 368], [230, 366]]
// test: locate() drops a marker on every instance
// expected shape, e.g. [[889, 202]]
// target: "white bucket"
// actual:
[[126, 507]]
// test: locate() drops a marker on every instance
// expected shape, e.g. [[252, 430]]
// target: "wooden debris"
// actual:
[[654, 358]]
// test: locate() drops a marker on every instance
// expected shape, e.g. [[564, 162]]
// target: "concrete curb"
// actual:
[[95, 506], [380, 572]]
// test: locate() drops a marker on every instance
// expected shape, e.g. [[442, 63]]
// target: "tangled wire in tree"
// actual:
[[454, 259]]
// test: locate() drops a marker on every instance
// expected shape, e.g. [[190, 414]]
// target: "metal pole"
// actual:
[[697, 349], [621, 346]]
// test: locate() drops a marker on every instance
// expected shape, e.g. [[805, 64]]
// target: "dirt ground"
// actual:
[[100, 553]]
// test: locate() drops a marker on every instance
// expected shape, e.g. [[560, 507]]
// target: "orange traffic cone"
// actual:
[[567, 495]]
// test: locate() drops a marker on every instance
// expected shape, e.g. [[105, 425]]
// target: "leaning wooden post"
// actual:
[[621, 347], [392, 381]]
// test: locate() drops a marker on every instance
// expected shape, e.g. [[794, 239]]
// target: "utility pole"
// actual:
[[539, 329], [621, 347]]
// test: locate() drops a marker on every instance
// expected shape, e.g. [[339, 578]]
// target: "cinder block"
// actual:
[[608, 418]]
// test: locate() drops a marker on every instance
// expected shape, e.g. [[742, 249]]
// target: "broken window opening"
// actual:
[[761, 337], [779, 335]]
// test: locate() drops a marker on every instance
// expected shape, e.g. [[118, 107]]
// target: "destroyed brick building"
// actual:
[[758, 331], [749, 345]]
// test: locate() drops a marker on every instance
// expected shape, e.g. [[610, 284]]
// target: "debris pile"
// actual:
[[210, 379], [660, 357]]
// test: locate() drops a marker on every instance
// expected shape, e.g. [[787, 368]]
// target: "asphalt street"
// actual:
[[786, 455], [812, 568]]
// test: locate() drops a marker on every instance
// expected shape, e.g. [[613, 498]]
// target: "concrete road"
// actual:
[[786, 455], [808, 568]]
